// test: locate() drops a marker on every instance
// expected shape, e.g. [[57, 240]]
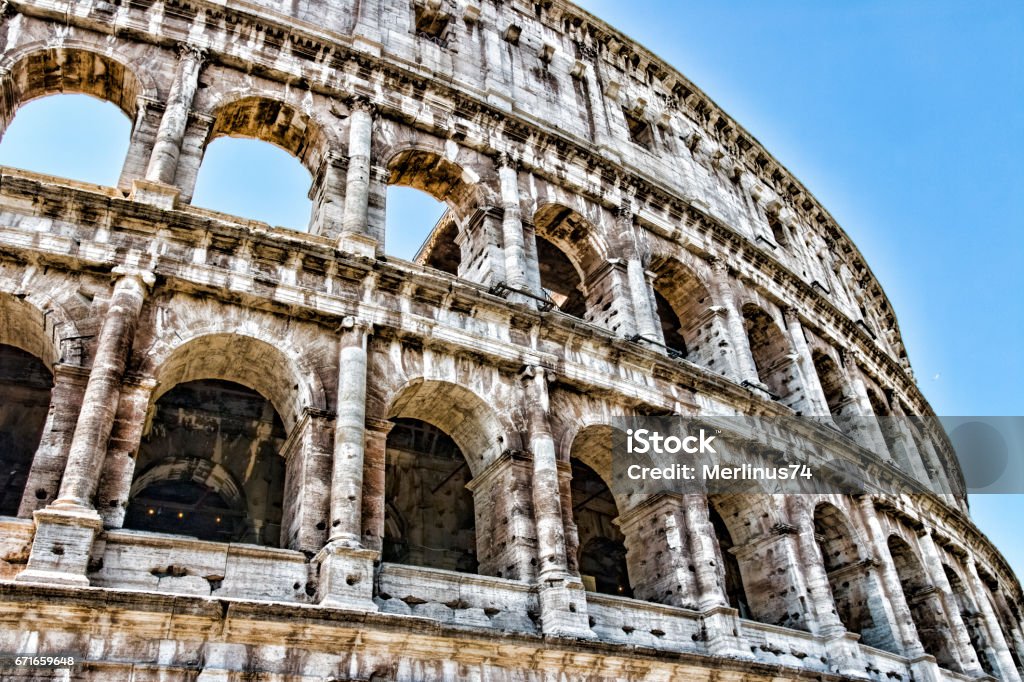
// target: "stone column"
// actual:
[[512, 237], [721, 621], [328, 196], [902, 623], [346, 567], [99, 405], [65, 530], [481, 249], [656, 527], [862, 425], [163, 162], [997, 639], [961, 640], [307, 454], [43, 483], [506, 531], [355, 236], [645, 314], [742, 362], [562, 598], [843, 649], [814, 394], [126, 435], [374, 467], [140, 147]]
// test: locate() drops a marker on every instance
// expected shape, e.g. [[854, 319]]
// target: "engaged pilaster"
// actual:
[[66, 529], [346, 567], [562, 598], [740, 362], [355, 233], [158, 187]]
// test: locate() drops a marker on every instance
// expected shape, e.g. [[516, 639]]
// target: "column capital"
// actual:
[[351, 324], [144, 276], [507, 159], [192, 52], [718, 265], [537, 373], [363, 104]]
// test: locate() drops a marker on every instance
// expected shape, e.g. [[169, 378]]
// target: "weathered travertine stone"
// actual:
[[289, 456]]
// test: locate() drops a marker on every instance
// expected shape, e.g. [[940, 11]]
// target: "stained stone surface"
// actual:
[[237, 452]]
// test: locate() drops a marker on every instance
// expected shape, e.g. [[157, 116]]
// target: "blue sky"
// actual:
[[905, 118]]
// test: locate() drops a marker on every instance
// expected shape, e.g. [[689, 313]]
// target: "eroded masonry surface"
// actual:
[[237, 452]]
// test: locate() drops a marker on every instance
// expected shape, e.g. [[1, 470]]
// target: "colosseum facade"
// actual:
[[238, 452]]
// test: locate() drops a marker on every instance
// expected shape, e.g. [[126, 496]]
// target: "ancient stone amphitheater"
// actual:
[[237, 452]]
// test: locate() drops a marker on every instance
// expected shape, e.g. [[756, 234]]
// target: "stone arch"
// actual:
[[772, 354], [685, 310], [429, 169], [848, 577], [830, 377], [274, 121], [37, 71], [570, 258], [600, 552], [973, 620], [211, 465], [258, 364], [730, 574], [457, 411], [23, 325], [925, 607], [273, 367], [444, 437]]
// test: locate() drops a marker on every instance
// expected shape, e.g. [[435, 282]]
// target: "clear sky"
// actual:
[[904, 117]]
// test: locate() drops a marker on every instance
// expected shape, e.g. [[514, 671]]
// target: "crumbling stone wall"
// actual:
[[614, 245]]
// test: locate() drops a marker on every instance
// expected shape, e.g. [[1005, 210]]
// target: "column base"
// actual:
[[722, 630], [563, 610], [61, 546], [844, 655], [155, 194], [358, 244], [346, 577], [925, 669]]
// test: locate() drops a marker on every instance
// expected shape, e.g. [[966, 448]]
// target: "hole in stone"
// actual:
[[41, 494], [58, 550], [351, 580], [322, 525], [572, 608]]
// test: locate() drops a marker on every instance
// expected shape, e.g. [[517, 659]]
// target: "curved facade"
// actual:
[[243, 452]]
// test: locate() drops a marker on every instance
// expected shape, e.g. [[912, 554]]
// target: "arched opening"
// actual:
[[923, 600], [428, 200], [209, 465], [972, 619], [602, 550], [568, 264], [771, 352], [72, 136], [683, 303], [671, 325], [256, 180], [731, 576], [831, 380], [422, 229], [560, 280], [1008, 615], [434, 513], [847, 576], [429, 518], [25, 384]]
